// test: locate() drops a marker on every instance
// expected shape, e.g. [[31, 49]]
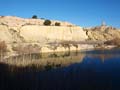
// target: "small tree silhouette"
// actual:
[[57, 24], [34, 17], [47, 22]]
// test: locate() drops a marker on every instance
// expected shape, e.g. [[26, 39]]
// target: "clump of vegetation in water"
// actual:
[[26, 50], [3, 49]]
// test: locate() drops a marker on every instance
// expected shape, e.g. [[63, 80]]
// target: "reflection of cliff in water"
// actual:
[[103, 57], [54, 60], [103, 54], [44, 60], [87, 74]]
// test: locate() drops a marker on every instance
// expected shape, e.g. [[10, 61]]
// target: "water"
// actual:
[[90, 70]]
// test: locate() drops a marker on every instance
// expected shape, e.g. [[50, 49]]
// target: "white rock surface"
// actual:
[[52, 33], [27, 31]]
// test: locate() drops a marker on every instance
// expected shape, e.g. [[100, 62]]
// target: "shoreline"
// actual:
[[81, 48]]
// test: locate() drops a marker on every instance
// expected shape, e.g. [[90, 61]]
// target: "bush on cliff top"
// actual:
[[34, 17], [47, 22], [57, 24]]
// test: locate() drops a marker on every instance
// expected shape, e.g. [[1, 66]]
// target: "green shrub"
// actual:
[[42, 18], [47, 22], [34, 17], [2, 16], [57, 24]]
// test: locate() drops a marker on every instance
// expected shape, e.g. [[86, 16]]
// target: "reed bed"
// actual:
[[43, 62]]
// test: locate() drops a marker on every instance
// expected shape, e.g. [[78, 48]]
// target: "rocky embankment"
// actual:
[[109, 35], [24, 36], [102, 33], [32, 36]]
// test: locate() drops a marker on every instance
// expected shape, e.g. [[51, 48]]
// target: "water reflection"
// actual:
[[81, 71], [44, 60]]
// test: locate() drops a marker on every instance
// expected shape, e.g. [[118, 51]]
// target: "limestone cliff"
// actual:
[[19, 31], [35, 33], [14, 29]]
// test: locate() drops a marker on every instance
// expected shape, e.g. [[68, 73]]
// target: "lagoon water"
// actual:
[[91, 70]]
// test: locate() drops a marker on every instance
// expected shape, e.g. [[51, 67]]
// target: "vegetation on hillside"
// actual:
[[47, 22], [57, 24], [115, 41], [34, 17], [27, 49]]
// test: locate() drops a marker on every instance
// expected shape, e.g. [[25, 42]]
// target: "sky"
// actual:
[[85, 13]]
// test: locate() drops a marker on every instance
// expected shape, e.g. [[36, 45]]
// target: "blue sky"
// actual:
[[85, 13]]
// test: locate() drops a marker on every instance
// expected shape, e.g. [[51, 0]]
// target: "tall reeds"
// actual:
[[3, 49]]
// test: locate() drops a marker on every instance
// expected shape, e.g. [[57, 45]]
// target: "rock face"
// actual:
[[15, 30], [52, 33], [102, 33], [5, 34], [20, 33]]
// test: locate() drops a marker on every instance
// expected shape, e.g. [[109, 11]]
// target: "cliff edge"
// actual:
[[21, 33]]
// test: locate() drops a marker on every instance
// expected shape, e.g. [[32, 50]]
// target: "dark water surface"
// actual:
[[98, 70]]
